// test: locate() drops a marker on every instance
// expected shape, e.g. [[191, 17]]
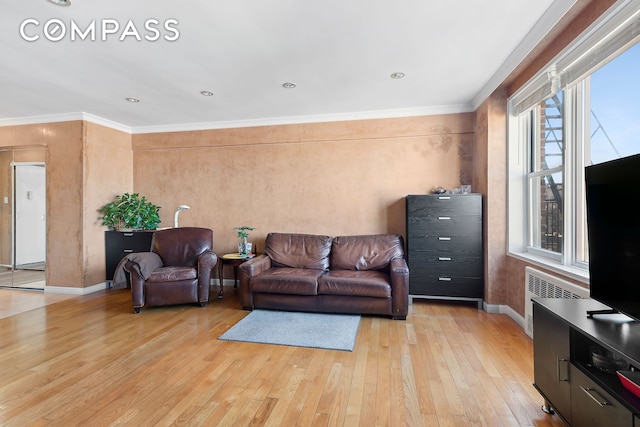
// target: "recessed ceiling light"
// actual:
[[61, 2], [397, 75], [134, 100], [206, 93], [288, 85]]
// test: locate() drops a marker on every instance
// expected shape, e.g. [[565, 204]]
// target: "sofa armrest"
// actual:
[[140, 265], [137, 284], [246, 271], [399, 274], [206, 262], [255, 266], [399, 266]]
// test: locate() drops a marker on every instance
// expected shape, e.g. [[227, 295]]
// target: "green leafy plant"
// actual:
[[130, 212], [244, 247], [243, 232]]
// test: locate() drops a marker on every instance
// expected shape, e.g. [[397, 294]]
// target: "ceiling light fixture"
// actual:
[[206, 93], [397, 75], [288, 85], [134, 100], [61, 2]]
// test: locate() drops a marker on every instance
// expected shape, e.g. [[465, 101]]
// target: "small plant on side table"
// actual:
[[244, 247]]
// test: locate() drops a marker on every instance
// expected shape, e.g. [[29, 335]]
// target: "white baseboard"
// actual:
[[69, 290], [505, 309], [226, 283], [76, 291], [491, 308]]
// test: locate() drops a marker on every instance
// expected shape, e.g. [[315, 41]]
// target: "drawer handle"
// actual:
[[560, 376], [444, 217], [444, 258], [444, 197], [127, 234], [444, 279], [127, 251], [590, 392], [444, 238]]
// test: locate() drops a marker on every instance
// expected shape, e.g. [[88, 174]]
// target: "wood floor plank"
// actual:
[[411, 404], [383, 387], [89, 361], [295, 377], [356, 392], [295, 404], [317, 374]]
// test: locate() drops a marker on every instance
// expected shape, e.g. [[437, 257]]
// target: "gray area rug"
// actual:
[[316, 330]]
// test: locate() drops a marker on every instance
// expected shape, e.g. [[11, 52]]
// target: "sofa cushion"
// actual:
[[277, 280], [173, 274], [355, 283], [372, 252], [298, 250]]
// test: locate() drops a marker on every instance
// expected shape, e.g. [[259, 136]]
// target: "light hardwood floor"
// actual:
[[89, 361], [16, 301]]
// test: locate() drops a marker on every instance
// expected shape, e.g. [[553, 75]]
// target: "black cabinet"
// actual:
[[120, 243], [592, 406], [551, 361], [444, 246], [566, 372]]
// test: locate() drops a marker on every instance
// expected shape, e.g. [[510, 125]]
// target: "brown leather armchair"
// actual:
[[176, 271]]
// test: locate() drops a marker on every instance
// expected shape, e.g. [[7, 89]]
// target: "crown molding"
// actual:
[[272, 121], [35, 120], [321, 118], [67, 117], [106, 122]]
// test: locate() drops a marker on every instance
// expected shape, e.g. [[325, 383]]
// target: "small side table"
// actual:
[[234, 260]]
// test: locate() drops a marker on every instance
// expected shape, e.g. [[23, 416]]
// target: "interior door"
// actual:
[[30, 215]]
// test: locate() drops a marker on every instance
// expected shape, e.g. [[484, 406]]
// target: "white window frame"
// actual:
[[617, 29], [533, 203]]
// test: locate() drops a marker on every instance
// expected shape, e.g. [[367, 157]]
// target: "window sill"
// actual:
[[578, 274]]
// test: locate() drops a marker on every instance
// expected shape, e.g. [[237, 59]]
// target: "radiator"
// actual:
[[540, 284]]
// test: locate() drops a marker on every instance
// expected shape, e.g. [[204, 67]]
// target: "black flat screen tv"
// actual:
[[613, 224]]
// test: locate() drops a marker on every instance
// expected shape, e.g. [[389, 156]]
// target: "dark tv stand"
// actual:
[[591, 313], [564, 372]]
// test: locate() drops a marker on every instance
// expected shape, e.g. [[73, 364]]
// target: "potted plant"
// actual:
[[244, 247], [130, 212]]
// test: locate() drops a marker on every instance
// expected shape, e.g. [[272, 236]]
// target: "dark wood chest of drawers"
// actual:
[[121, 243], [444, 246]]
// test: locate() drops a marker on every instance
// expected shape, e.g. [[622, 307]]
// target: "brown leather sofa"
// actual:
[[346, 274], [177, 270]]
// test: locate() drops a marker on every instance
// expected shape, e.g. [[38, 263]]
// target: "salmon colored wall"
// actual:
[[491, 175], [29, 154], [108, 171], [87, 165], [63, 142], [330, 178], [6, 157]]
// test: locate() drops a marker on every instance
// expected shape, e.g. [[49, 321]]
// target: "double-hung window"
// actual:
[[545, 176], [582, 109]]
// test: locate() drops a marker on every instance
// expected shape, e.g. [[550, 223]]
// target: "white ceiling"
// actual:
[[339, 53]]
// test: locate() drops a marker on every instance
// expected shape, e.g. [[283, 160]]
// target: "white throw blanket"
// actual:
[[145, 263]]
